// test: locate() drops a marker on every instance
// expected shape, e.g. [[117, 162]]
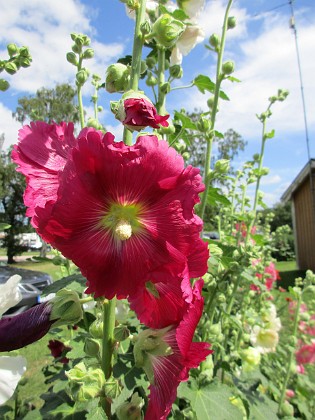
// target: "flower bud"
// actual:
[[228, 67], [151, 62], [151, 80], [84, 383], [287, 409], [82, 76], [117, 78], [88, 53], [130, 410], [251, 359], [203, 125], [72, 58], [4, 85], [24, 52], [12, 49], [10, 67], [145, 28], [91, 347], [215, 41], [24, 62], [176, 71], [165, 88], [167, 30], [93, 122], [66, 308], [96, 328], [231, 23], [222, 166]]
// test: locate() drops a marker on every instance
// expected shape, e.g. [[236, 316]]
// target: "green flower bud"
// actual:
[[151, 62], [145, 28], [215, 41], [221, 298], [121, 333], [228, 67], [176, 71], [12, 49], [117, 78], [131, 410], [185, 155], [215, 329], [210, 102], [143, 67], [222, 166], [24, 52], [100, 108], [4, 85], [96, 328], [287, 409], [82, 76], [166, 87], [85, 384], [151, 80], [88, 53], [76, 49], [24, 62], [167, 30], [203, 125], [66, 308], [251, 359], [112, 388], [231, 23], [92, 347], [10, 67]]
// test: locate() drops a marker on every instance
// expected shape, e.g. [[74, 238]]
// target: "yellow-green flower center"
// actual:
[[122, 220]]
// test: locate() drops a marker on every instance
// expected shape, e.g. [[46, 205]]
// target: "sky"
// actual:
[[262, 46]]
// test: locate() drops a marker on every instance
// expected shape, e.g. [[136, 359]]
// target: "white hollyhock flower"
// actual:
[[11, 371], [191, 36], [265, 340], [10, 293], [192, 8]]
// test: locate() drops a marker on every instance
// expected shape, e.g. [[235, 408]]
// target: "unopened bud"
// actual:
[[151, 62], [231, 23], [88, 53], [228, 67], [117, 78], [203, 125], [4, 85], [10, 67], [130, 410], [215, 41], [112, 388], [166, 87], [66, 308], [12, 49], [145, 28], [167, 30], [121, 333], [151, 80], [176, 71], [96, 328], [82, 76], [222, 166], [91, 347]]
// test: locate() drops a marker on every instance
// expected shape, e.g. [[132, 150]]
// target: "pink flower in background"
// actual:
[[306, 354], [58, 350], [124, 212], [167, 355], [271, 275]]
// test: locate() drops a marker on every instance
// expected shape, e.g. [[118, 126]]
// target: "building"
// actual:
[[301, 193]]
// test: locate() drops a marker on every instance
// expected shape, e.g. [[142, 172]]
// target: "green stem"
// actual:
[[80, 101], [182, 87], [160, 106], [108, 345], [136, 60], [219, 78], [291, 355]]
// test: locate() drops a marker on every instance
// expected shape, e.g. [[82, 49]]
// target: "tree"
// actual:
[[49, 105], [12, 212]]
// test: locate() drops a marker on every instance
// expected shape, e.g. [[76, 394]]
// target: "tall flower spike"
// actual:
[[168, 354], [124, 212]]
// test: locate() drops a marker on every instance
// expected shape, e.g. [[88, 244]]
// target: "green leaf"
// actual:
[[218, 134], [75, 282], [185, 120], [4, 226], [234, 79], [210, 402], [204, 83], [223, 96], [269, 135], [215, 197]]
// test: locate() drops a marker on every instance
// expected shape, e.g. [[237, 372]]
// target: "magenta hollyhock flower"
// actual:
[[41, 154], [139, 113], [168, 354], [124, 212], [58, 350]]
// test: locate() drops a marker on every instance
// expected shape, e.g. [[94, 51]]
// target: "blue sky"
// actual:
[[262, 46]]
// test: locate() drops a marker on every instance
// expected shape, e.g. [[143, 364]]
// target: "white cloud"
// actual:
[[9, 126]]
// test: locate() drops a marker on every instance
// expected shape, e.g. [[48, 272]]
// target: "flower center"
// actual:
[[122, 220]]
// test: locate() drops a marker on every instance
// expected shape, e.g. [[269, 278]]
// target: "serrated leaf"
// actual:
[[210, 402], [75, 282], [63, 409], [204, 83], [215, 197]]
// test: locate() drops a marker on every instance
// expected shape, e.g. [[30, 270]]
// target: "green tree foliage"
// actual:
[[57, 104], [281, 216], [12, 209]]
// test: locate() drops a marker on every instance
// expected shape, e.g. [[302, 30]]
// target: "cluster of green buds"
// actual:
[[281, 96], [78, 54], [167, 30], [18, 57], [85, 383]]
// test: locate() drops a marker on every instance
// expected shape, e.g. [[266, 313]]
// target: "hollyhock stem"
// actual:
[[136, 60], [219, 78], [109, 307], [80, 101], [291, 354], [160, 106]]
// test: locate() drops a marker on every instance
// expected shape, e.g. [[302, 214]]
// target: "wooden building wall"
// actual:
[[305, 225]]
